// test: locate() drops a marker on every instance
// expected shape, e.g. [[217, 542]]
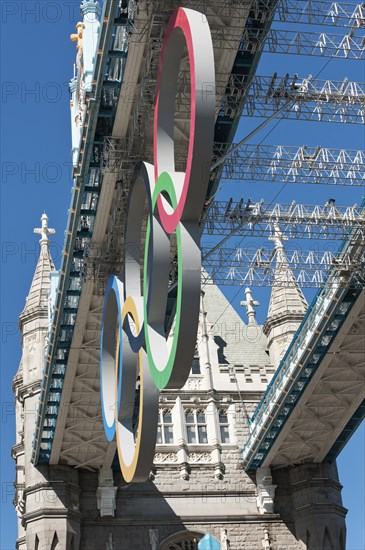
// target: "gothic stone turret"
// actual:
[[287, 305], [46, 500]]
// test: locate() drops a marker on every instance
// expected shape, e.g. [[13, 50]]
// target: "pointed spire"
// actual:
[[287, 305], [286, 295], [39, 289]]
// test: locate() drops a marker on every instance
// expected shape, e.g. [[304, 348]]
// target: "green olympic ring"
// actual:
[[161, 376]]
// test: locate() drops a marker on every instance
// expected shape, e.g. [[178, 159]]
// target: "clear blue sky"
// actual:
[[37, 59]]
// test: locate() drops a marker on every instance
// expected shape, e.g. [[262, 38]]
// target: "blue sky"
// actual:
[[37, 60]]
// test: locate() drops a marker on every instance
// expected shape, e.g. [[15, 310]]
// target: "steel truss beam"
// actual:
[[327, 222], [292, 164], [242, 266], [314, 12], [219, 7], [306, 98], [251, 162], [310, 12], [303, 43], [263, 96], [257, 266], [254, 39]]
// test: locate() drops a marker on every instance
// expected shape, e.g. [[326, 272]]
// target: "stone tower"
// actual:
[[44, 497], [308, 494], [197, 488]]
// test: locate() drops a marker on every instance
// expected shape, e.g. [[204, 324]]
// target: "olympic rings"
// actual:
[[138, 355], [109, 355]]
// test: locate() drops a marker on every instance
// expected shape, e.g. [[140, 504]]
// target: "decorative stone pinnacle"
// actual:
[[278, 238], [72, 85], [44, 231], [249, 303], [90, 6], [266, 540]]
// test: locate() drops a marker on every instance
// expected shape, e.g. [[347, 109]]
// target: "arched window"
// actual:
[[195, 367], [165, 433], [182, 541], [223, 425], [196, 426]]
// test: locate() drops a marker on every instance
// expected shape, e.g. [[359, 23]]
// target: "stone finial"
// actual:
[[250, 303], [153, 538], [278, 238], [44, 231], [110, 544], [266, 540], [224, 540], [90, 6]]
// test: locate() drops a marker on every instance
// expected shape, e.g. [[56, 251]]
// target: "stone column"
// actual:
[[47, 497], [106, 493], [316, 505], [180, 439], [265, 491]]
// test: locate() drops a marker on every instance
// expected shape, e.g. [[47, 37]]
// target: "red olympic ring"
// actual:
[[184, 29]]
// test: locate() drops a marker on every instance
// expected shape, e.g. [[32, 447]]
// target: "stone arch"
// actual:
[[183, 540]]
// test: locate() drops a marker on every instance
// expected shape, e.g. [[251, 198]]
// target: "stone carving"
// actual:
[[224, 540], [154, 538], [200, 457], [86, 38], [266, 540], [184, 474], [194, 383], [78, 39], [21, 424], [110, 544], [30, 345], [20, 506], [30, 350], [163, 458], [219, 472]]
